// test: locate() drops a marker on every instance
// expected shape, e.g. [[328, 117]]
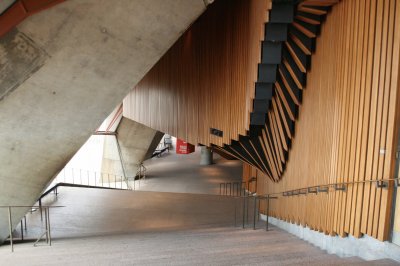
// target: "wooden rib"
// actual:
[[312, 10], [259, 157], [276, 137], [279, 127], [285, 103], [319, 2], [306, 32], [292, 74], [296, 58], [308, 20], [289, 90], [393, 128], [285, 123], [300, 44], [274, 148], [271, 152]]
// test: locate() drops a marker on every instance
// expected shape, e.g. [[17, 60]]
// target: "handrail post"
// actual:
[[247, 195], [235, 210], [48, 221], [267, 213], [22, 230], [10, 228], [244, 207], [254, 214], [40, 209], [46, 226]]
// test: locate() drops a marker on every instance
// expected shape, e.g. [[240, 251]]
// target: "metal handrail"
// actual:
[[380, 183], [141, 172], [223, 187], [338, 186], [245, 212], [82, 178], [47, 222]]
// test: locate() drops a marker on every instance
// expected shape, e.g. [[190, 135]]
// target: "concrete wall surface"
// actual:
[[62, 71], [366, 247], [136, 142]]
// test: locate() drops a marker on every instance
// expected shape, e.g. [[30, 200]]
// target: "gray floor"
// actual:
[[109, 227], [183, 173]]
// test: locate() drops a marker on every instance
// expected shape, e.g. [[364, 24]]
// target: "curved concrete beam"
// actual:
[[63, 71]]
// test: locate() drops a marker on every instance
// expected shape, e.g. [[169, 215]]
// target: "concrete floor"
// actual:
[[183, 173]]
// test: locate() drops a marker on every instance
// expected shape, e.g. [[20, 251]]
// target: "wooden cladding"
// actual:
[[310, 98], [347, 124], [206, 80]]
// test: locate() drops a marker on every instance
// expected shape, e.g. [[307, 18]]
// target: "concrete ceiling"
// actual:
[[62, 71], [4, 4]]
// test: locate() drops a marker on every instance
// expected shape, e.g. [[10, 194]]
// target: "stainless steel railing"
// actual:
[[91, 178], [47, 231], [243, 207]]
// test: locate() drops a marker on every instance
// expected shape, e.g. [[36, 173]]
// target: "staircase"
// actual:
[[104, 227]]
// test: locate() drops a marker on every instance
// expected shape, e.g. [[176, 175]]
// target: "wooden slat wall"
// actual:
[[345, 115], [347, 124], [206, 80]]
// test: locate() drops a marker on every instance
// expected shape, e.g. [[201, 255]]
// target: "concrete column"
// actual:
[[137, 143], [206, 157]]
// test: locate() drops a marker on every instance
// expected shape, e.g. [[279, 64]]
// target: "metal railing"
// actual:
[[141, 173], [338, 186], [91, 178], [236, 188], [47, 231], [246, 195], [245, 200]]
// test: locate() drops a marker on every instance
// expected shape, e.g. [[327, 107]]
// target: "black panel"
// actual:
[[264, 90], [271, 52], [276, 32], [281, 12], [257, 118], [267, 73], [260, 105]]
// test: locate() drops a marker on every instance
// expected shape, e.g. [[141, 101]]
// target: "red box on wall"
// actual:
[[182, 147]]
